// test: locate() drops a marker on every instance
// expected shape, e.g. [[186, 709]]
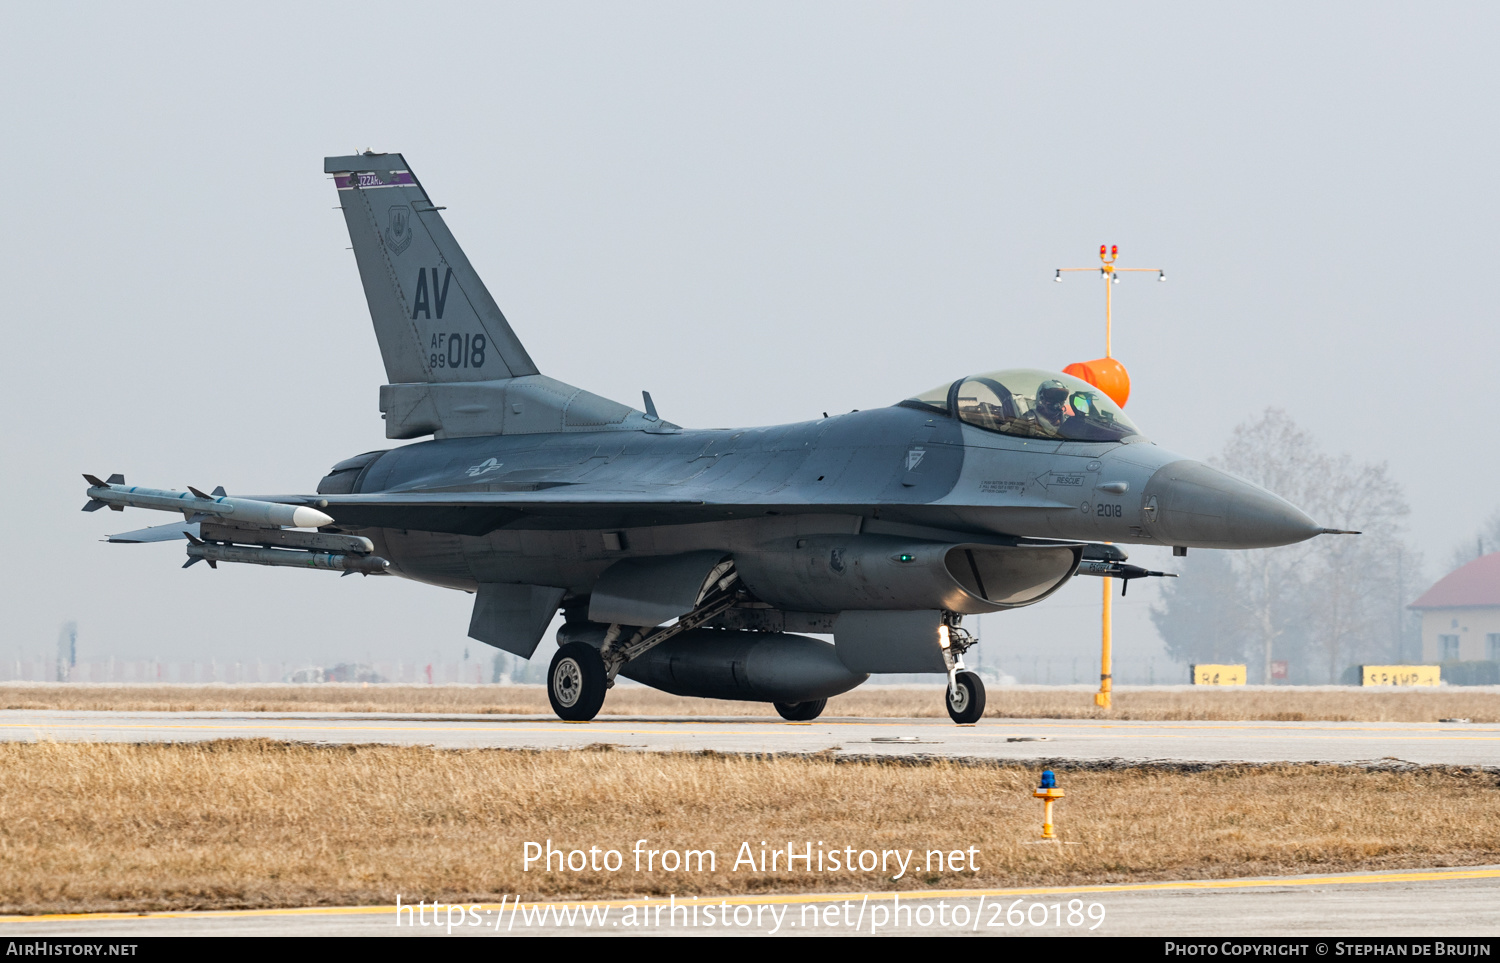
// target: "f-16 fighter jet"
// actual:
[[694, 561]]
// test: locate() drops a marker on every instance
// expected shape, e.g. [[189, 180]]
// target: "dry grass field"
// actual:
[[255, 823], [1282, 704]]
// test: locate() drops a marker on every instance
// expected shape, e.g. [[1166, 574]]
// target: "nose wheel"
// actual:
[[965, 698], [576, 682]]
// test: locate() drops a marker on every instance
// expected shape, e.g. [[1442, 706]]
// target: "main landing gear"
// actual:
[[581, 674], [576, 682], [801, 711]]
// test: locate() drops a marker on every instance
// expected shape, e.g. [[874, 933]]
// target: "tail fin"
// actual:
[[434, 319]]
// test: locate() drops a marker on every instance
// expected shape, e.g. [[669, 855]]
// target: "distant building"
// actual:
[[1461, 614]]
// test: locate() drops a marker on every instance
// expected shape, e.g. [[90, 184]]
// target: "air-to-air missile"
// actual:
[[196, 505], [222, 521], [329, 561]]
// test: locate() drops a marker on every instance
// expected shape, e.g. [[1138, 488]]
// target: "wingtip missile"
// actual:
[[94, 504], [196, 506]]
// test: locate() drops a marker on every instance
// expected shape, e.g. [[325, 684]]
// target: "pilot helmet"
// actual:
[[1051, 395]]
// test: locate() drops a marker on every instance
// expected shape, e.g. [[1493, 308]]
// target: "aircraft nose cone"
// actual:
[[1188, 503]]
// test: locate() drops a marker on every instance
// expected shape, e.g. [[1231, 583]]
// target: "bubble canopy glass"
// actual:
[[1031, 403]]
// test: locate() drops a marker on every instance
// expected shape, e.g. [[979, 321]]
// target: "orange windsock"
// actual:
[[1106, 374]]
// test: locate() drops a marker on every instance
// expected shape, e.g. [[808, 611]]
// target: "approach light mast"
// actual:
[[1109, 376]]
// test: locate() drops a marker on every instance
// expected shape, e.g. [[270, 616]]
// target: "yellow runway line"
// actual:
[[1414, 876], [1364, 733], [274, 728]]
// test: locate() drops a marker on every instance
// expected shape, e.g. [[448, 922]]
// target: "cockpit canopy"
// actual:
[[1031, 403]]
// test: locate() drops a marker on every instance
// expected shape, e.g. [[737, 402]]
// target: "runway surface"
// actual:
[[1342, 742], [1446, 903]]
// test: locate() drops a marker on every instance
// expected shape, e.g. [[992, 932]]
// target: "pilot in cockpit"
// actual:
[[1051, 410]]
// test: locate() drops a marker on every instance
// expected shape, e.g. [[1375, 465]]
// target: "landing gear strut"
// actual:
[[581, 674]]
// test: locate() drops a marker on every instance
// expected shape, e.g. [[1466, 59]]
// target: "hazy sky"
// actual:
[[758, 212]]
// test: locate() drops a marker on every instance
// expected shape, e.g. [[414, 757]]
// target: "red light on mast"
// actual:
[[1114, 250]]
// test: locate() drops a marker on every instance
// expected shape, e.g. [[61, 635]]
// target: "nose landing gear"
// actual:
[[965, 698], [965, 689]]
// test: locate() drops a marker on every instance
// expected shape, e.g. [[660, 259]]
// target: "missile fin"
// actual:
[[191, 562], [219, 492], [94, 480], [93, 505], [193, 538], [213, 564], [117, 479], [196, 492], [195, 517]]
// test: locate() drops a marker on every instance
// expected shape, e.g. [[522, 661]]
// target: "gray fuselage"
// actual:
[[899, 472]]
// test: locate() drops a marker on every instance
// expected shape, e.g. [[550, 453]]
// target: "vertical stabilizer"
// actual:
[[434, 319]]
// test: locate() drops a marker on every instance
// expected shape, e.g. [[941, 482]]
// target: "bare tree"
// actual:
[[1280, 457], [1199, 617], [1353, 579], [1485, 540], [1328, 599]]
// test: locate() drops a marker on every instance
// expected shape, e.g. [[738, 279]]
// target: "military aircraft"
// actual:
[[692, 560]]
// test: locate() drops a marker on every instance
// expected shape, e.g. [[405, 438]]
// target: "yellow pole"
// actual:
[[1101, 698], [1109, 312], [1108, 254], [1106, 656], [1048, 797]]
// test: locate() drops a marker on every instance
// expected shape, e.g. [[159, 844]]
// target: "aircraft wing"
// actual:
[[481, 512]]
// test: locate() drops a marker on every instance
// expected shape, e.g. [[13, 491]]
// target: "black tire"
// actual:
[[970, 704], [801, 711], [575, 682]]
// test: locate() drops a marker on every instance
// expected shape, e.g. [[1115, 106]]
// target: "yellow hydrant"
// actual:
[[1048, 793]]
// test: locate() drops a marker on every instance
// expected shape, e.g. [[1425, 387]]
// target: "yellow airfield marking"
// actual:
[[333, 728], [1417, 876], [1117, 727], [335, 725]]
